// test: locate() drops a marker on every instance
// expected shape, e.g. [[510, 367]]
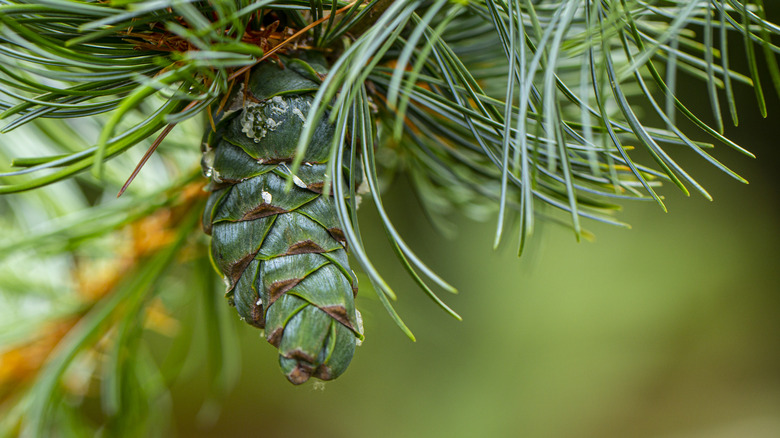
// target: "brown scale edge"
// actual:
[[261, 211], [278, 288], [275, 337], [315, 187], [237, 270], [307, 246], [258, 316], [298, 354], [323, 372], [300, 374], [338, 234], [339, 313]]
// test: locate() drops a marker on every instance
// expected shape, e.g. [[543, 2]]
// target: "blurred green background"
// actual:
[[666, 330]]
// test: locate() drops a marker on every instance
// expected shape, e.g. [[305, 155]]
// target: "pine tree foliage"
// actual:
[[558, 110]]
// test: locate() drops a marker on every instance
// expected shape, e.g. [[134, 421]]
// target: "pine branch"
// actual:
[[502, 106]]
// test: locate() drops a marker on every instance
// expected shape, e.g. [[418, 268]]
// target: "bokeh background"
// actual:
[[669, 329]]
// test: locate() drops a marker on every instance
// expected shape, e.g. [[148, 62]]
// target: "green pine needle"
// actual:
[[489, 106]]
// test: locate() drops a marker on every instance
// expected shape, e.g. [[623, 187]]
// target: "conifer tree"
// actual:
[[559, 110]]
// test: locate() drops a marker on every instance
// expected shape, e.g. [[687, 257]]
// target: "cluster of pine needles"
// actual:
[[531, 110]]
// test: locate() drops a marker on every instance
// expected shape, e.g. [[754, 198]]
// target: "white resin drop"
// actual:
[[299, 182], [300, 115], [254, 121]]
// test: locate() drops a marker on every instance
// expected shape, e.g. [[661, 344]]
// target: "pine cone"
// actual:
[[282, 253]]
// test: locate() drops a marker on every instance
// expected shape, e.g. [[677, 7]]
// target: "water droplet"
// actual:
[[207, 162]]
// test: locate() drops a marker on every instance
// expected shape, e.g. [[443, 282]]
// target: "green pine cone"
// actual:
[[282, 253]]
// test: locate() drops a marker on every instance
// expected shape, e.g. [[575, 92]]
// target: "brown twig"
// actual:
[[294, 36]]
